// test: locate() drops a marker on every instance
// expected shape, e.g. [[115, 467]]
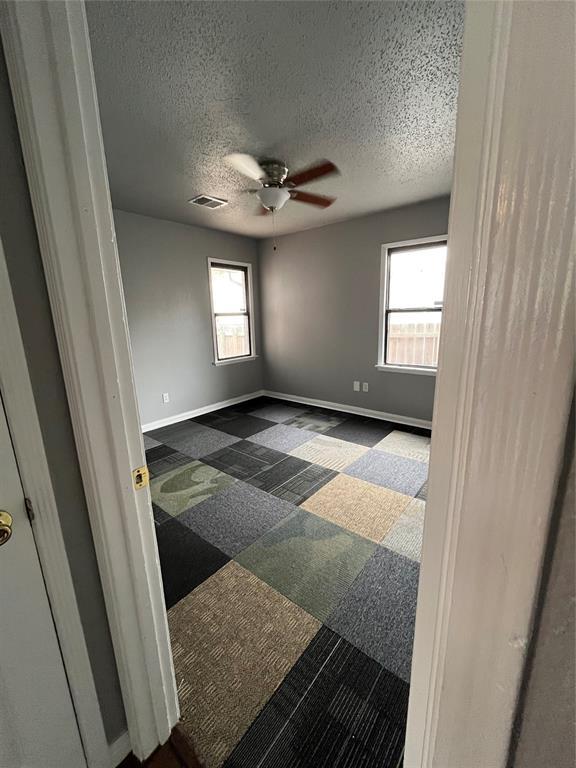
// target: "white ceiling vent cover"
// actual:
[[207, 201]]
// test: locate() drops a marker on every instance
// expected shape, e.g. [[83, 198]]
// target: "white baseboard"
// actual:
[[119, 749], [200, 411], [407, 420]]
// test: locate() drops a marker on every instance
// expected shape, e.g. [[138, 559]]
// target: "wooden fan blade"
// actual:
[[263, 211], [324, 168], [305, 197]]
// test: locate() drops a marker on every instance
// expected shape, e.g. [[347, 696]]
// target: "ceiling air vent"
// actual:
[[207, 201]]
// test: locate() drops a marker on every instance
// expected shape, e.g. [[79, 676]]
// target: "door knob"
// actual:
[[5, 526]]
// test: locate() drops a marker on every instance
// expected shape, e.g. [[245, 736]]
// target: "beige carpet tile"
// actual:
[[366, 509], [187, 486], [406, 444], [234, 639], [405, 536], [329, 452]]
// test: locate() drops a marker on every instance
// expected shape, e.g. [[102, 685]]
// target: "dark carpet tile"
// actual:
[[303, 485], [250, 405], [268, 456], [166, 463], [238, 424], [159, 515], [215, 419], [423, 492], [416, 430], [336, 708], [366, 432], [186, 560], [158, 452], [244, 459], [273, 477]]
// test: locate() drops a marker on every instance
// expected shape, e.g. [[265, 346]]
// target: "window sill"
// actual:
[[235, 360], [406, 369]]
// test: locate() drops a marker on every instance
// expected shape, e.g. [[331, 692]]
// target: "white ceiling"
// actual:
[[371, 86]]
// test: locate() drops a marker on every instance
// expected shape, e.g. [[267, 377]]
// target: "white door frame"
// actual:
[[50, 67], [501, 384], [504, 384]]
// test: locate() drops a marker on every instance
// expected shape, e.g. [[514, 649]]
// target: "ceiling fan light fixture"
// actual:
[[273, 198]]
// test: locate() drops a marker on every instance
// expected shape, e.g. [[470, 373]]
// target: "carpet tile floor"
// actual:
[[309, 560], [289, 539], [194, 440], [358, 506], [179, 489], [329, 452], [390, 471]]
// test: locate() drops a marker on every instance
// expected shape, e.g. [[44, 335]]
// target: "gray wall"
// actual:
[[18, 234], [165, 276], [546, 720], [320, 305]]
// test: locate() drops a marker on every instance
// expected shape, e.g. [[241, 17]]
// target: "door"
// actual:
[[37, 721]]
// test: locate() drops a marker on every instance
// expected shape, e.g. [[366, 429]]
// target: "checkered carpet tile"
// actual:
[[289, 539]]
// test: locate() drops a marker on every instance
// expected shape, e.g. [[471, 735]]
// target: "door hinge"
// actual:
[[29, 509]]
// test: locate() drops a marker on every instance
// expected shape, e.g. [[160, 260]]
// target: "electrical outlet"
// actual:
[[356, 386], [165, 397], [365, 387]]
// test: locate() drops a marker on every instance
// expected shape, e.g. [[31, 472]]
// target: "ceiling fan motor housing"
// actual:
[[273, 198], [275, 170]]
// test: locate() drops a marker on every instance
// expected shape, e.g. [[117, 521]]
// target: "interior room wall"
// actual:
[[24, 264], [165, 276], [320, 308]]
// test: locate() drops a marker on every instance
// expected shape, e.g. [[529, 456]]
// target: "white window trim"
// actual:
[[252, 356], [381, 365]]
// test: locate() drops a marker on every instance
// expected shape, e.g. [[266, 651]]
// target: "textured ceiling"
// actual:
[[371, 86]]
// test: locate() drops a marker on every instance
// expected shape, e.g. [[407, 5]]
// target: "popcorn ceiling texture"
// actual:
[[371, 86]]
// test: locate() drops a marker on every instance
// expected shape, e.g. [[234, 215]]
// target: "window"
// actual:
[[231, 292], [412, 292]]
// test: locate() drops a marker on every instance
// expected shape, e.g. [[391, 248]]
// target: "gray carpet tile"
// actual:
[[195, 440], [244, 459], [316, 421], [277, 412], [391, 471], [336, 708], [423, 492], [235, 518], [273, 477], [282, 437], [303, 485], [366, 432], [149, 442], [378, 612]]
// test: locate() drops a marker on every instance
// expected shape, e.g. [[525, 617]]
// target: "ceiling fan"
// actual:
[[278, 185]]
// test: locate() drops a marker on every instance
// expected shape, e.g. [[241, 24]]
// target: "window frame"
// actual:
[[246, 267], [385, 310]]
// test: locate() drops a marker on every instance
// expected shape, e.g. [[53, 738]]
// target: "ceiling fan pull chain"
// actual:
[[274, 231]]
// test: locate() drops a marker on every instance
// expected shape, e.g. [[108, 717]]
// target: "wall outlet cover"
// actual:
[[356, 386], [365, 387], [165, 397]]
